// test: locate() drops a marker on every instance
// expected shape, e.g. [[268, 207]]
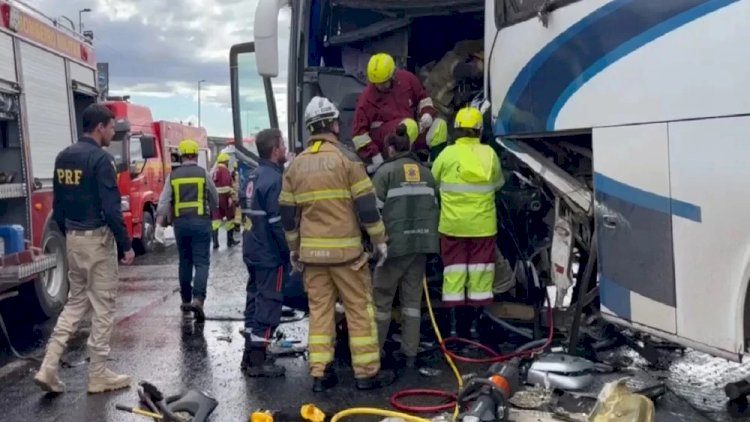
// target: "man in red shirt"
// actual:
[[391, 96], [224, 186]]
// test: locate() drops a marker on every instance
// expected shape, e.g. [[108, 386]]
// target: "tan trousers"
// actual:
[[92, 272], [403, 273], [324, 284]]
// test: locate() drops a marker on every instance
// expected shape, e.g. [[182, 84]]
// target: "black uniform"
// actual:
[[85, 190]]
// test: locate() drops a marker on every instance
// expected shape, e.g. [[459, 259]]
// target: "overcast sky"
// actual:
[[158, 50]]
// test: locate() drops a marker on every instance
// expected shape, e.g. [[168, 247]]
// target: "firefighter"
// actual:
[[403, 185], [222, 178], [265, 253], [391, 96], [468, 175], [87, 211], [191, 195], [325, 196]]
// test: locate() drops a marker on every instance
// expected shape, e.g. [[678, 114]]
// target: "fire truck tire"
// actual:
[[145, 244], [46, 296]]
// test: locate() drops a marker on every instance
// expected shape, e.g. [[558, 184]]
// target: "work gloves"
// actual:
[[381, 250], [377, 160], [425, 122], [297, 267], [159, 234]]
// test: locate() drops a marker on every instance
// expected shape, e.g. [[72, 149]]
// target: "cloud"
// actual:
[[161, 49]]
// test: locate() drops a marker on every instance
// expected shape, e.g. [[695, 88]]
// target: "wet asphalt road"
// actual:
[[152, 343]]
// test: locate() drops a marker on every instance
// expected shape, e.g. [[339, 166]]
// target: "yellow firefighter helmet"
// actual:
[[380, 69]]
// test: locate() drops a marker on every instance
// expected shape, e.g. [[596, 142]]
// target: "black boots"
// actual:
[[380, 380], [187, 310], [215, 239], [257, 363], [230, 239], [327, 381]]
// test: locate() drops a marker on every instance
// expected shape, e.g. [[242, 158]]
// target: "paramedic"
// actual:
[[391, 96], [325, 196], [87, 210], [410, 213], [224, 183], [191, 195], [468, 175], [265, 253]]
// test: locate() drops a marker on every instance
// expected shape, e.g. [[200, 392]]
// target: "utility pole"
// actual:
[[199, 101], [80, 19]]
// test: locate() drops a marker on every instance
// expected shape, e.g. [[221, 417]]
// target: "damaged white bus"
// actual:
[[633, 114]]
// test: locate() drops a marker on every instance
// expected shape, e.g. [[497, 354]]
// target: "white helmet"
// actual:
[[320, 109]]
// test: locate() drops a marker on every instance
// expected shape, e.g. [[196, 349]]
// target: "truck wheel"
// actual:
[[46, 295], [146, 243]]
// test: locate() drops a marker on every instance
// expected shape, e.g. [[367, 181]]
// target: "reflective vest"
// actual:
[[410, 210], [468, 174], [188, 191]]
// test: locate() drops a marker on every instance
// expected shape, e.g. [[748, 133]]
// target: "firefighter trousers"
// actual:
[[403, 273], [265, 296], [468, 265], [92, 273], [324, 284], [193, 238]]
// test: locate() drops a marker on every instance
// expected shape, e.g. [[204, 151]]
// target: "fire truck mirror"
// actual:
[[122, 127], [148, 147]]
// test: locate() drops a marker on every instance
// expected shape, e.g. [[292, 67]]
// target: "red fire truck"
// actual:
[[47, 78], [144, 160]]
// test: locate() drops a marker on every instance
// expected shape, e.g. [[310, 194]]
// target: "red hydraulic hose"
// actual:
[[396, 403], [494, 357]]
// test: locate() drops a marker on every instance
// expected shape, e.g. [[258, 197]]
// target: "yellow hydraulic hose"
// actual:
[[378, 412], [439, 336], [405, 416]]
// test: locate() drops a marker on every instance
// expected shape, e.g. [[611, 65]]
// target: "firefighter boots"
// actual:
[[215, 239], [380, 380], [47, 377], [256, 362], [101, 379], [197, 307], [327, 381]]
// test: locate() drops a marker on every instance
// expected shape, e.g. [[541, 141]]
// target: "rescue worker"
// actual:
[[325, 196], [391, 96], [468, 175], [87, 211], [265, 253], [404, 185], [190, 194], [224, 182]]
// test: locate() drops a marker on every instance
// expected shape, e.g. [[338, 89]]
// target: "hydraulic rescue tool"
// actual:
[[487, 398]]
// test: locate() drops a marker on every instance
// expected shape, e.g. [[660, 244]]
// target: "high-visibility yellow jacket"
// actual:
[[468, 175], [325, 196]]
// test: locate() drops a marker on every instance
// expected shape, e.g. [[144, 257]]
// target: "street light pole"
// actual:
[[80, 19], [199, 101]]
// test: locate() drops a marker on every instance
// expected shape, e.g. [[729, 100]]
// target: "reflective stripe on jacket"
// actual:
[[325, 196], [468, 174], [410, 211], [188, 191]]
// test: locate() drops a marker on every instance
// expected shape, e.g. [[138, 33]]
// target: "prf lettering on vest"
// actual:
[[69, 177]]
